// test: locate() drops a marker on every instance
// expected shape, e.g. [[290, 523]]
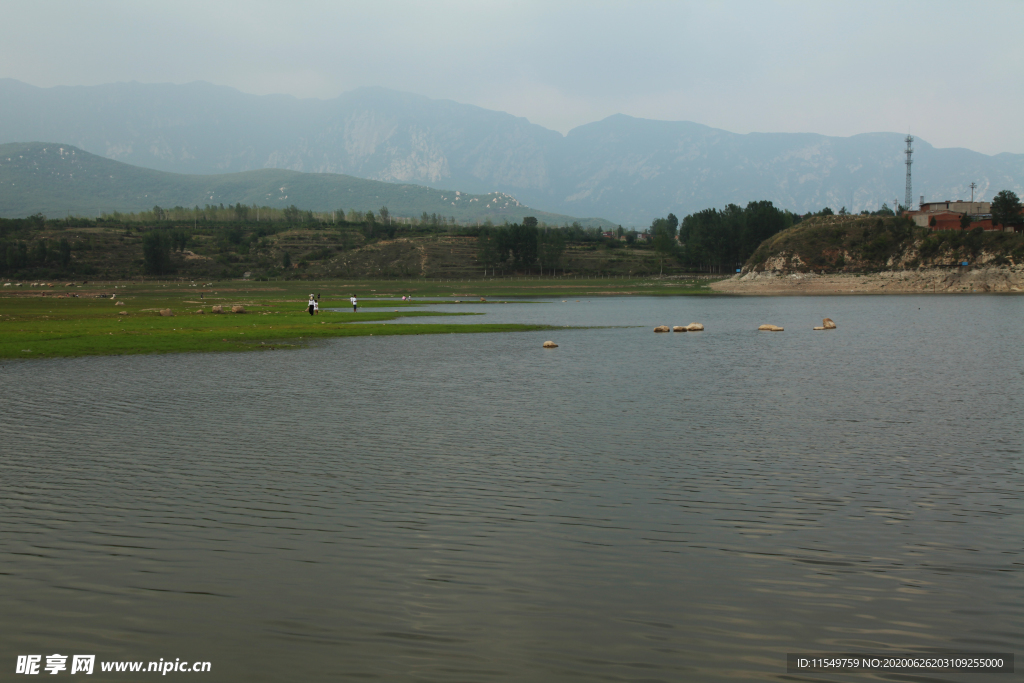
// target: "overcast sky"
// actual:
[[951, 73]]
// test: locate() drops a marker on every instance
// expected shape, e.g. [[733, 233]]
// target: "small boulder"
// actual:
[[166, 312], [770, 328], [217, 309], [122, 313], [819, 328], [238, 309], [483, 299], [200, 311], [828, 324], [679, 328], [694, 327], [662, 328], [550, 345], [119, 303]]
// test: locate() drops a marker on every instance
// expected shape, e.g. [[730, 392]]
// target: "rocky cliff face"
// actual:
[[625, 169]]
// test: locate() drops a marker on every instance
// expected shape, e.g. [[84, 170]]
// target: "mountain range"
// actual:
[[57, 179], [625, 169]]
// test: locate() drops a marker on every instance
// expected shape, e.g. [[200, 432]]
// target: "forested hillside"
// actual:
[[232, 244]]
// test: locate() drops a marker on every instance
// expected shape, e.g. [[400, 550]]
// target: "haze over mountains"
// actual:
[[624, 169], [55, 179]]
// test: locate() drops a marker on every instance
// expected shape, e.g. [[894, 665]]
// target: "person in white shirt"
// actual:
[[316, 308], [355, 304], [311, 305]]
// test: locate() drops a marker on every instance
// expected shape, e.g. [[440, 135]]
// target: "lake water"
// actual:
[[628, 507]]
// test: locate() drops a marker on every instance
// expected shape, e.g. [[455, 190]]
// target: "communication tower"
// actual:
[[910, 150]]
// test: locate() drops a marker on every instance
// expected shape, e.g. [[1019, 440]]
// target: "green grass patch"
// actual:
[[44, 322], [35, 327]]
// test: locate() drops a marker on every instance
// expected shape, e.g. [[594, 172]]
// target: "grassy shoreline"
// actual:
[[53, 323], [83, 320]]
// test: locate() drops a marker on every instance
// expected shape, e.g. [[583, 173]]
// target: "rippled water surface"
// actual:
[[627, 507]]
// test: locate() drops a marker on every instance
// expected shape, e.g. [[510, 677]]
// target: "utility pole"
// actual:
[[973, 185]]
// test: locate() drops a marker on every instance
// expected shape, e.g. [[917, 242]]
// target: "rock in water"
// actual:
[[679, 328], [771, 328], [819, 328], [166, 312], [828, 324], [662, 328], [550, 345], [217, 309], [694, 327], [238, 309]]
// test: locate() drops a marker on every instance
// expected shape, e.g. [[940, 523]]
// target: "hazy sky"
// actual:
[[951, 73]]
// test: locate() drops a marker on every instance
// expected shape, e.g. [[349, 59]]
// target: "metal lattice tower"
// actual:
[[910, 194]]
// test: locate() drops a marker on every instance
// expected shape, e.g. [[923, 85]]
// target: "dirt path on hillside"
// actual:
[[934, 280]]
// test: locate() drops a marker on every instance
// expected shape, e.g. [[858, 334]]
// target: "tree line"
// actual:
[[18, 255], [253, 213], [521, 246], [721, 241]]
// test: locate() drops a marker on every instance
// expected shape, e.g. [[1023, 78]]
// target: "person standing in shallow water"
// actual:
[[311, 304], [355, 304]]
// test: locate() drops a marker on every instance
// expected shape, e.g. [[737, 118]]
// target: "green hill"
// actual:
[[864, 244], [56, 180]]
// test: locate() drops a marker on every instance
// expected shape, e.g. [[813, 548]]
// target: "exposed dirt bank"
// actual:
[[991, 279]]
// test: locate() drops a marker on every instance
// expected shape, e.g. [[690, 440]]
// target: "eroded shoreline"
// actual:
[[983, 280]]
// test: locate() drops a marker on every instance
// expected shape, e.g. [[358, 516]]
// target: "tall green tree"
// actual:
[[522, 242], [487, 248], [65, 253], [672, 225], [156, 253], [663, 237], [550, 247], [1006, 209], [40, 253]]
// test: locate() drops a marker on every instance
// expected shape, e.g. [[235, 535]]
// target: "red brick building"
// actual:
[[947, 215]]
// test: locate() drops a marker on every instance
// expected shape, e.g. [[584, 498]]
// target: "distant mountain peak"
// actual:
[[626, 168]]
